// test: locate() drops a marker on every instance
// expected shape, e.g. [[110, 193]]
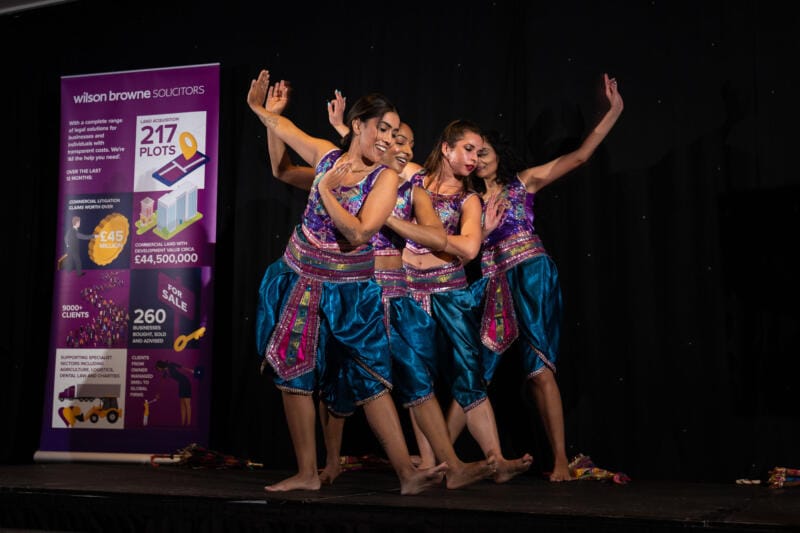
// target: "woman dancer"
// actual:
[[438, 281], [323, 288], [519, 289], [411, 330]]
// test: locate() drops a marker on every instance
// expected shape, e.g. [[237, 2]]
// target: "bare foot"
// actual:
[[468, 473], [296, 482], [561, 473], [508, 469], [423, 479], [328, 474]]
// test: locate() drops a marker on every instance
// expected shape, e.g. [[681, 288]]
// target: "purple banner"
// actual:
[[132, 323]]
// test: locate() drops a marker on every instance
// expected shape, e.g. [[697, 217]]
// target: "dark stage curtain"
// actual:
[[679, 354]]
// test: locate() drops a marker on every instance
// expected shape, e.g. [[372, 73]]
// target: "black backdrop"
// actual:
[[679, 357]]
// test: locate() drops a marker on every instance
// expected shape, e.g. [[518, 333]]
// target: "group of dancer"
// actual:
[[371, 301]]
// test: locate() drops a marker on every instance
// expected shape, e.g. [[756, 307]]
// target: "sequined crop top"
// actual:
[[448, 207], [518, 217], [387, 241], [317, 225]]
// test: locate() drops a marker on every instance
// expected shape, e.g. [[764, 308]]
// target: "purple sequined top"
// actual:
[[387, 241], [317, 225], [518, 217], [448, 207]]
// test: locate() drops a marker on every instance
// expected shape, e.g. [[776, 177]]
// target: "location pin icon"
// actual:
[[188, 144]]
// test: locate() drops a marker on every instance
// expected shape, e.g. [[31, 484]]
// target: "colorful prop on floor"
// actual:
[[781, 476], [363, 462], [777, 478], [582, 467], [196, 456]]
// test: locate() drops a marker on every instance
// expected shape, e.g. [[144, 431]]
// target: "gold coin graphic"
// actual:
[[111, 234]]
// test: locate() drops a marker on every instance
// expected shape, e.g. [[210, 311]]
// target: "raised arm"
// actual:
[[283, 168], [311, 149], [336, 113], [535, 178]]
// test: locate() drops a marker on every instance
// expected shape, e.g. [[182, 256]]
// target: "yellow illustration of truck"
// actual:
[[106, 393]]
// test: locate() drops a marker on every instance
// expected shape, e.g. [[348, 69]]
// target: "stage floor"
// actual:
[[141, 497]]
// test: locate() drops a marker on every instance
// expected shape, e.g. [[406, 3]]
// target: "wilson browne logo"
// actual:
[[139, 94]]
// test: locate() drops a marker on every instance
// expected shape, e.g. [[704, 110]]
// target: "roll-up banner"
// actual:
[[132, 318]]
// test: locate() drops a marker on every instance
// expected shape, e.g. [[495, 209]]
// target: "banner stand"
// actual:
[[92, 457], [132, 327]]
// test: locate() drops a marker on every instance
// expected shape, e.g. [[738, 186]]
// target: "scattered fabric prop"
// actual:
[[582, 467], [778, 478], [197, 456], [781, 476], [363, 462]]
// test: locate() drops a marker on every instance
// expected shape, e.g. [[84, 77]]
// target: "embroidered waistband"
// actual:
[[327, 265], [393, 282], [424, 282], [510, 252], [438, 279]]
